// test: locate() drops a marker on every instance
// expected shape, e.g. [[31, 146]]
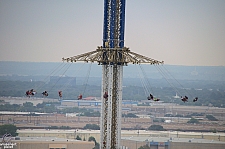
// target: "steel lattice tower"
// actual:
[[112, 55]]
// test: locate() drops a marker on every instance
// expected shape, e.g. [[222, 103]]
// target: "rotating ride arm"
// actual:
[[110, 55]]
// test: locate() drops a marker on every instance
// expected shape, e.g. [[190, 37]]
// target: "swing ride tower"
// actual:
[[112, 55]]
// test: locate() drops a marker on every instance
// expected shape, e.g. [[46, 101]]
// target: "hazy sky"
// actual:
[[179, 32]]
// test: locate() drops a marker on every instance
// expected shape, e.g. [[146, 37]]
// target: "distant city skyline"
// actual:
[[187, 32]]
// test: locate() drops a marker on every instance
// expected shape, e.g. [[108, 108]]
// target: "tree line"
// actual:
[[48, 107]]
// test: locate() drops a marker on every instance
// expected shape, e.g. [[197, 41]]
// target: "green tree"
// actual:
[[214, 130], [168, 115], [28, 107], [8, 128], [97, 146], [211, 118], [64, 127], [78, 138], [92, 139], [130, 115], [144, 147], [91, 114], [193, 120], [96, 143], [40, 105], [28, 104], [53, 127], [156, 127], [91, 126], [159, 120]]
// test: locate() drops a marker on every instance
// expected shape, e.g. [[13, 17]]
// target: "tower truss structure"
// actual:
[[112, 55]]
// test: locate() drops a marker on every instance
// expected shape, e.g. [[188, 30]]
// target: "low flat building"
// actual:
[[170, 143], [47, 143], [80, 103], [133, 139]]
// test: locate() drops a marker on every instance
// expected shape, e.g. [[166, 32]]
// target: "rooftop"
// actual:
[[166, 139], [134, 132]]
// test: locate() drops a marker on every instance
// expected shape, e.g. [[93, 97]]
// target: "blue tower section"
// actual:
[[114, 23]]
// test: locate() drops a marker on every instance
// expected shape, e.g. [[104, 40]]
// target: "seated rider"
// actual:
[[150, 97], [184, 99], [60, 94], [33, 92], [196, 99], [80, 97], [45, 93], [105, 95], [28, 93]]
